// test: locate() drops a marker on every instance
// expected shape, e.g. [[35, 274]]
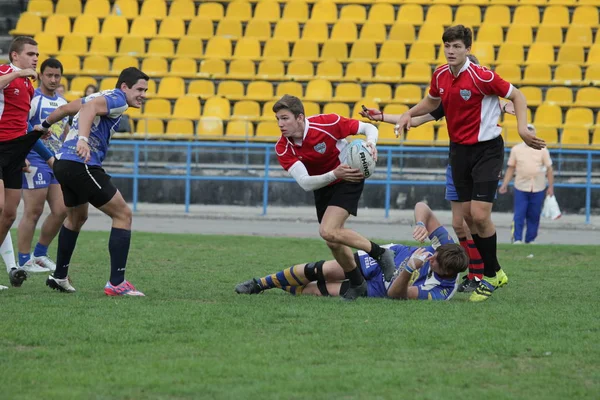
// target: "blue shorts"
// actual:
[[451, 194], [39, 177]]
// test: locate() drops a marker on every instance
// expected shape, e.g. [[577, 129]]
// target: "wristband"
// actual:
[[84, 139], [421, 224], [46, 124], [408, 269], [382, 118]]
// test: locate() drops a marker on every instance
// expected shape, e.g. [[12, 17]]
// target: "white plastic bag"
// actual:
[[551, 209]]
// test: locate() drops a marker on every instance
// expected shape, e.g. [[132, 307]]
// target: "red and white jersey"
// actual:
[[15, 102], [470, 101], [321, 146]]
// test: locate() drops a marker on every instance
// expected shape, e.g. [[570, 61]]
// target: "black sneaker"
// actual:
[[17, 276], [249, 287], [468, 285], [387, 264], [355, 292]]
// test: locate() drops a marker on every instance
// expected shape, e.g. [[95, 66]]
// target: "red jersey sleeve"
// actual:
[[434, 90], [5, 69], [346, 127], [491, 83], [285, 154]]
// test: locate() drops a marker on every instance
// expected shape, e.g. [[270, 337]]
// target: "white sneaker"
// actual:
[[3, 287], [31, 266], [45, 262], [63, 285], [517, 242]]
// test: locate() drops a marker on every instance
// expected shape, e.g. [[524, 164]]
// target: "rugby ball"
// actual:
[[359, 156]]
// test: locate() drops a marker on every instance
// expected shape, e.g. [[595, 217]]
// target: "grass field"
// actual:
[[192, 337]]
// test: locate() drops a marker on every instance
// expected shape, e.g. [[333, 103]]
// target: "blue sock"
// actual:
[[67, 239], [23, 258], [118, 247], [40, 250]]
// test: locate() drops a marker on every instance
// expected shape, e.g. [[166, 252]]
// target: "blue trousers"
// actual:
[[528, 208]]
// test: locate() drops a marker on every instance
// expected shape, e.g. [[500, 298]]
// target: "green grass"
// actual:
[[192, 337]]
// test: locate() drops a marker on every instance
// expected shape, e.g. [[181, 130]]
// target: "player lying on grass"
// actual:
[[423, 273]]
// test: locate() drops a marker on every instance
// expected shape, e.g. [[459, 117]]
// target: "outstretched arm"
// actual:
[[425, 222], [63, 111]]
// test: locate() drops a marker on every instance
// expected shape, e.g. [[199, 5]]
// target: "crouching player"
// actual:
[[423, 273]]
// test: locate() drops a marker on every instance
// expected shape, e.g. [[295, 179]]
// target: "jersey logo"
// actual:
[[16, 92], [465, 94], [320, 148], [441, 90]]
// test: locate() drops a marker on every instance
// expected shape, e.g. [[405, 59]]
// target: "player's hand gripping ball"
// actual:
[[359, 156]]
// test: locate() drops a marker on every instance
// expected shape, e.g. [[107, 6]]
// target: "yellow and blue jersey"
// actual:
[[41, 107]]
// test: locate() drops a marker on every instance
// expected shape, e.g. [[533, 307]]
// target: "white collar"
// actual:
[[13, 66], [464, 67]]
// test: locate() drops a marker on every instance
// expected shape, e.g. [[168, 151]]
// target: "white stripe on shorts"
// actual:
[[88, 171]]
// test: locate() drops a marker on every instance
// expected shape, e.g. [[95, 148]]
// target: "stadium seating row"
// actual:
[[328, 11]]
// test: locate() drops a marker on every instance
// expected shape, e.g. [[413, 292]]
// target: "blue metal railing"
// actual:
[[268, 150]]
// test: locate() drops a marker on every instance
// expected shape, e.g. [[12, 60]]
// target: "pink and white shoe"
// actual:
[[123, 289]]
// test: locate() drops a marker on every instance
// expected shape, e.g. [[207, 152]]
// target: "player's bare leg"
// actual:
[[50, 227], [34, 200], [12, 197]]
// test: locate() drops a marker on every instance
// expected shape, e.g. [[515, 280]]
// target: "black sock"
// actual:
[[487, 248], [355, 277], [376, 250], [118, 247], [67, 239]]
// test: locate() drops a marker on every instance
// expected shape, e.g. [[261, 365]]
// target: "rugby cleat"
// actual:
[[355, 292], [122, 289], [17, 276], [62, 285], [45, 262], [3, 287], [468, 285], [387, 264], [249, 287], [502, 278], [31, 267], [484, 290]]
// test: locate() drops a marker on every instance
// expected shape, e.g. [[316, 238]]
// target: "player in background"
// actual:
[[311, 150], [469, 94], [39, 184], [78, 169], [421, 273]]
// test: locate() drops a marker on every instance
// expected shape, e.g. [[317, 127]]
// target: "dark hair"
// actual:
[[452, 259], [458, 32], [94, 87], [51, 63], [473, 59], [130, 76], [18, 44], [291, 103]]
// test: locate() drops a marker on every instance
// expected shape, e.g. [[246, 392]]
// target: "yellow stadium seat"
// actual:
[[171, 87], [379, 92], [442, 137], [334, 49], [408, 94], [383, 13], [510, 53], [107, 84], [211, 10], [596, 137], [364, 50], [520, 34], [271, 70], [287, 30], [28, 24], [103, 45], [329, 69], [201, 28], [209, 128], [121, 62], [70, 63], [420, 135], [295, 11], [97, 8], [509, 120], [344, 31], [151, 88], [571, 53], [562, 96], [319, 90], [267, 131], [265, 11], [172, 28], [149, 127], [509, 72], [315, 31], [497, 15], [373, 31], [422, 52], [291, 88], [305, 50], [526, 15], [300, 69], [548, 115], [395, 109], [359, 71], [86, 25], [482, 50], [239, 10], [115, 26], [585, 15], [218, 107], [239, 130], [402, 32], [567, 2], [260, 30], [324, 11], [549, 34], [144, 27], [411, 13], [248, 48], [267, 111], [592, 74], [157, 108], [229, 28], [549, 135], [48, 42], [242, 69], [185, 9], [440, 14], [537, 74], [354, 12], [468, 15], [189, 47], [246, 109], [233, 90], [588, 97], [212, 68], [593, 57], [218, 47], [540, 53], [180, 127], [259, 91], [95, 65], [155, 66], [556, 16], [348, 92], [132, 45], [574, 136], [126, 8], [161, 47], [579, 35], [358, 107], [387, 71], [40, 7], [532, 94], [79, 83], [59, 25], [387, 135], [417, 72], [74, 44], [154, 9], [70, 8], [341, 109], [183, 67], [201, 88], [431, 33], [276, 49]]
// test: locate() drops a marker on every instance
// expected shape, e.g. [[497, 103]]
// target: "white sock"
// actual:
[[8, 253]]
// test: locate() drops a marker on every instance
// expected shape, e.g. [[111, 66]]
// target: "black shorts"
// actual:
[[82, 184], [12, 159], [342, 194], [476, 169]]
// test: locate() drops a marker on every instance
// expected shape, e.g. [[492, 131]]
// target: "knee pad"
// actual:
[[314, 271]]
